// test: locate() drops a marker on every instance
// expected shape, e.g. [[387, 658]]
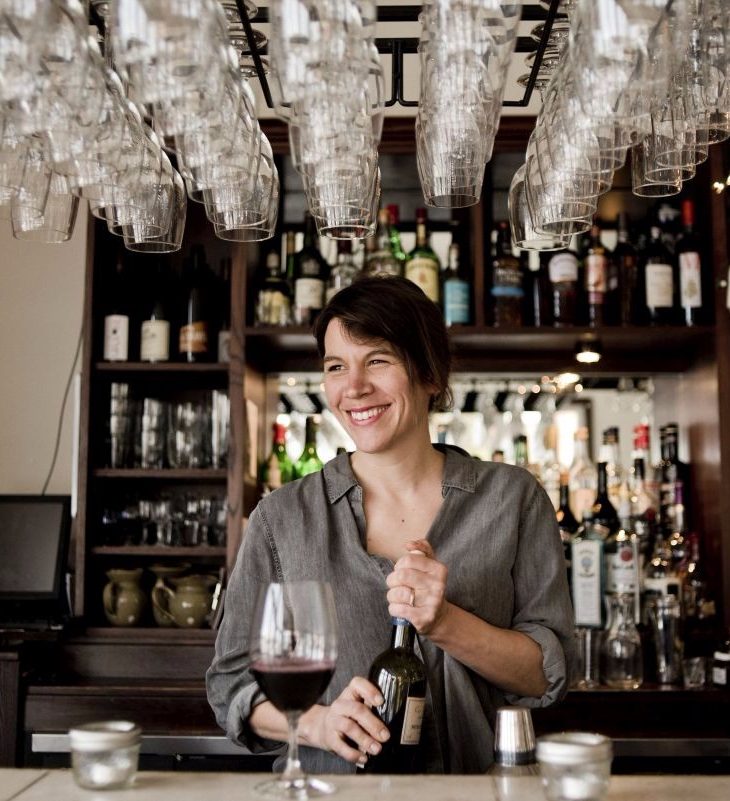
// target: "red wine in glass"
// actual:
[[292, 685]]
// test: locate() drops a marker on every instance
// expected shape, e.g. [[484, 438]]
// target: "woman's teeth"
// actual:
[[366, 415]]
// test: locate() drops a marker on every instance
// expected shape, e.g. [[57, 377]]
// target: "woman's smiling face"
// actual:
[[368, 389]]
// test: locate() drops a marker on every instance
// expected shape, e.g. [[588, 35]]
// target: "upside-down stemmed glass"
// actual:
[[293, 651]]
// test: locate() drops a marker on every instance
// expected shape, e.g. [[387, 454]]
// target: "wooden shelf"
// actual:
[[639, 349], [160, 551], [151, 634], [166, 474], [161, 367]]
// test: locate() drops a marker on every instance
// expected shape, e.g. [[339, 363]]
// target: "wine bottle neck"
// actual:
[[403, 634]]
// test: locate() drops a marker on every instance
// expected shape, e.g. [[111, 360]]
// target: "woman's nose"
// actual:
[[357, 383]]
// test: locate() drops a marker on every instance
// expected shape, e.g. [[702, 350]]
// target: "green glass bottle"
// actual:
[[309, 461], [396, 248], [278, 468], [423, 266]]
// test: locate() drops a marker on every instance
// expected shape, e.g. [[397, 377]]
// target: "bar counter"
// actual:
[[34, 785]]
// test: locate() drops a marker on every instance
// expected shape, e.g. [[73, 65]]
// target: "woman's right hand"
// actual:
[[347, 722]]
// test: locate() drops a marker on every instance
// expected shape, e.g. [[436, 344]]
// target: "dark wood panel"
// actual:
[[9, 707], [166, 474], [159, 551], [160, 367]]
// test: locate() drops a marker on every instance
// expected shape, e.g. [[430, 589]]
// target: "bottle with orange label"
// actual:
[[194, 340]]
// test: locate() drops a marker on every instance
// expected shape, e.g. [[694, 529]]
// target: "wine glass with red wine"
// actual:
[[293, 653]]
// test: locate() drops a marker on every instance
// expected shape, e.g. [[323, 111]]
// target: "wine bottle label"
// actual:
[[456, 302], [596, 268], [309, 293], [587, 595], [689, 280], [116, 337], [621, 570], [412, 721], [659, 286], [274, 307], [563, 267], [424, 273], [155, 345], [224, 346], [719, 676], [194, 338]]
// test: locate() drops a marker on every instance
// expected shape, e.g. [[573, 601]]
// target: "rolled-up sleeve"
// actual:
[[543, 610], [232, 691]]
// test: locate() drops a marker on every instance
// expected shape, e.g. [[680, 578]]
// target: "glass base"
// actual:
[[305, 787]]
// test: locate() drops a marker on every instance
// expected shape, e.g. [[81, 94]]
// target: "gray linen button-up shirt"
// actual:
[[495, 531]]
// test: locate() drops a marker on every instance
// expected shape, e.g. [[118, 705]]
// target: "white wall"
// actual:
[[41, 302]]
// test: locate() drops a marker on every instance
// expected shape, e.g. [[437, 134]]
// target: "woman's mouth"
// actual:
[[366, 415]]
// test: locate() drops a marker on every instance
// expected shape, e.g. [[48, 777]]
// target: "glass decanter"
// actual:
[[621, 657]]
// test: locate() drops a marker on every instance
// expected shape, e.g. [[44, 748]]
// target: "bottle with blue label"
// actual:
[[507, 290], [456, 291]]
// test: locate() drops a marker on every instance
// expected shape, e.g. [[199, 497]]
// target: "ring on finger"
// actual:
[[412, 600]]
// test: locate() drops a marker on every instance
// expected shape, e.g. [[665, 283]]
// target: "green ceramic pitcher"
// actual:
[[123, 598]]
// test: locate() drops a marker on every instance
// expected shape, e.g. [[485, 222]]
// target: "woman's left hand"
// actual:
[[417, 587]]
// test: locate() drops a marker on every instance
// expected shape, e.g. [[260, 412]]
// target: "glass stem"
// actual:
[[293, 774]]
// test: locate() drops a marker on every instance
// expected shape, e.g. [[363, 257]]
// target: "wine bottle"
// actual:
[[690, 268], [603, 512], [273, 303], [563, 274], [633, 301], [116, 322], [507, 290], [155, 330], [396, 248], [521, 457], [278, 468], [380, 258], [659, 280], [401, 677], [194, 340], [455, 291], [537, 292], [309, 461], [423, 265], [596, 276], [567, 524], [310, 276], [344, 272]]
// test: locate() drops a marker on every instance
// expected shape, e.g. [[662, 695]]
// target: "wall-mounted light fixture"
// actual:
[[588, 351]]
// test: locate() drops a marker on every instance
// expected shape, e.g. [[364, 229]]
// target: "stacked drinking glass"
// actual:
[[328, 85], [642, 75], [464, 49]]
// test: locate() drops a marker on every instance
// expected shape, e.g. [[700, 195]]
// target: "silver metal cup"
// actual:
[[514, 741]]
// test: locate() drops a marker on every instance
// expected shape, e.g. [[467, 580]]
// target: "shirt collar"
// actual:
[[459, 473]]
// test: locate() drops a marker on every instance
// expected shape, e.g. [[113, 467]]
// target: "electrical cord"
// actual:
[[59, 428]]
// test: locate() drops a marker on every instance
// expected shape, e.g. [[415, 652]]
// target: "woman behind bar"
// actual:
[[490, 602]]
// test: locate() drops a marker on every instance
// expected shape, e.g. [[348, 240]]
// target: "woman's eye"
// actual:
[[333, 368]]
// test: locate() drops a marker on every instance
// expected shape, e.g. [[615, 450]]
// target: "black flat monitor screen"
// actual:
[[34, 535]]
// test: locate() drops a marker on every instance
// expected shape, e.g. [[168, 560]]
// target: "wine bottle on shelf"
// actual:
[[537, 292], [659, 280], [310, 276], [401, 677], [582, 476], [567, 524], [116, 322], [507, 290], [344, 272], [596, 277], [456, 292], [278, 468], [309, 461], [155, 329], [380, 258], [632, 290], [273, 303], [563, 275], [521, 457], [194, 340], [690, 268], [224, 308], [396, 248], [423, 266], [603, 512]]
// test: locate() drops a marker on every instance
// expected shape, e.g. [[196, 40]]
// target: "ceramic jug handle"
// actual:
[[161, 595], [109, 597]]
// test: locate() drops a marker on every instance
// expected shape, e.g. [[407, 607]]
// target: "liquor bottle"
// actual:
[[380, 258], [310, 276], [643, 510], [521, 458], [278, 468], [632, 290], [396, 248], [582, 476], [673, 489], [567, 524], [224, 307], [678, 543], [659, 280], [309, 461], [344, 272], [660, 578], [116, 322], [423, 265], [507, 291], [455, 291], [589, 575], [563, 275], [596, 277], [698, 606], [614, 470], [155, 329], [690, 268], [550, 472], [603, 512], [194, 339], [537, 310], [401, 677], [621, 552]]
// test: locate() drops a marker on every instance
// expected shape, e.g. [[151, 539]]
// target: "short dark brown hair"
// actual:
[[394, 309]]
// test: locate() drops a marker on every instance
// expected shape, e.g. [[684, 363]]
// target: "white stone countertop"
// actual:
[[58, 785]]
